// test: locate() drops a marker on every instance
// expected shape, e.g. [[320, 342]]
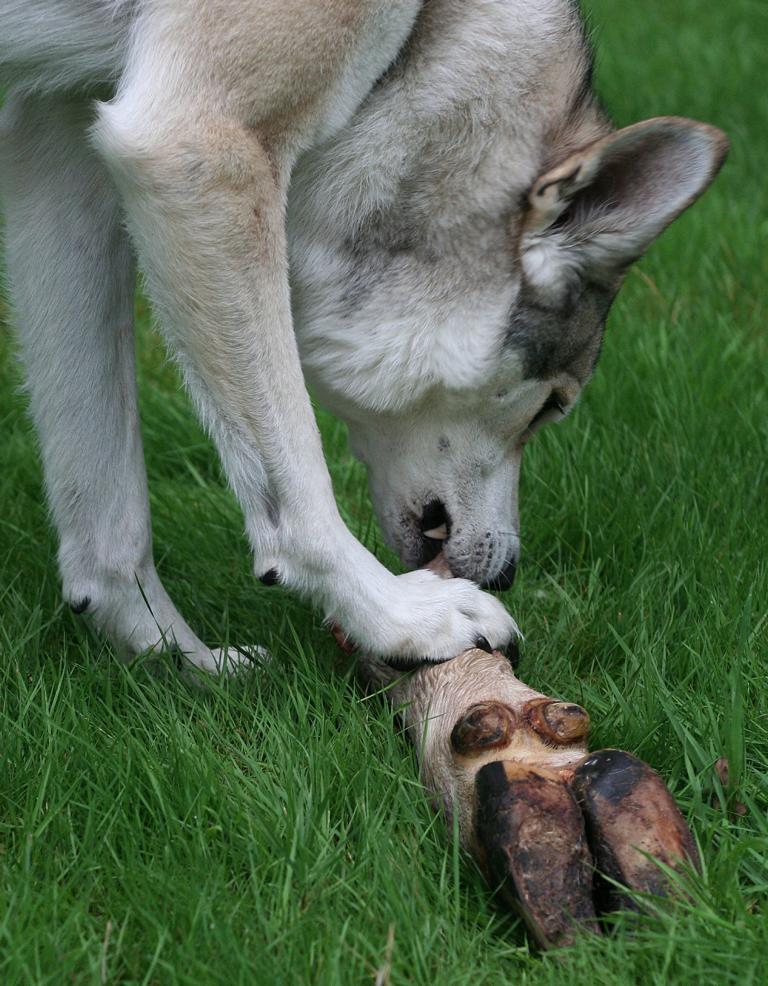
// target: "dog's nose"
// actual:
[[504, 579]]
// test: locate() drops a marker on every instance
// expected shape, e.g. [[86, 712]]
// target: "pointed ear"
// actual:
[[598, 211]]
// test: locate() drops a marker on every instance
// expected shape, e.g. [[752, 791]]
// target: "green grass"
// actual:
[[272, 830]]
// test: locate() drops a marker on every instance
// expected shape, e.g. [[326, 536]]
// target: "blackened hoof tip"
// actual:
[[611, 774], [608, 761]]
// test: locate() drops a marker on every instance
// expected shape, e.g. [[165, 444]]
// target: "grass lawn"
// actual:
[[272, 830]]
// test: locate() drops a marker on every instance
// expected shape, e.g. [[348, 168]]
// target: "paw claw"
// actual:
[[231, 660]]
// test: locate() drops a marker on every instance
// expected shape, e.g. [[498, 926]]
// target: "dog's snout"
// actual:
[[504, 579], [470, 555], [475, 562]]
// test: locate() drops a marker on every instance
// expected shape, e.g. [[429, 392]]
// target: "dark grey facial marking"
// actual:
[[443, 444], [566, 337]]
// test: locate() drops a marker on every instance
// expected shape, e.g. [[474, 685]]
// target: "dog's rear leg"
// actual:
[[71, 280]]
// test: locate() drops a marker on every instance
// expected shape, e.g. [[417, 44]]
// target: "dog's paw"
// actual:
[[426, 618]]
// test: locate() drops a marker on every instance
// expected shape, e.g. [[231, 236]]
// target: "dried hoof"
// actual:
[[532, 846], [563, 834], [632, 822]]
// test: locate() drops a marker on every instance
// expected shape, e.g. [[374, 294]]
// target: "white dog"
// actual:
[[416, 202]]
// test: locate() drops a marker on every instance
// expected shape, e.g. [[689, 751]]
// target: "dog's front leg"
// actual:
[[205, 204]]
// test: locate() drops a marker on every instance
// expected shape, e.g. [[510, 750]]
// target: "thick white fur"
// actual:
[[198, 124]]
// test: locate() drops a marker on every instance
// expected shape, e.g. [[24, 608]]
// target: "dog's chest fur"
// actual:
[[414, 202], [384, 31]]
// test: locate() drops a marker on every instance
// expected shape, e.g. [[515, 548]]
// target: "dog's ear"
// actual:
[[598, 211]]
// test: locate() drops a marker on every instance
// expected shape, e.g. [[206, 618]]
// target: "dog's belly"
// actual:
[[54, 45]]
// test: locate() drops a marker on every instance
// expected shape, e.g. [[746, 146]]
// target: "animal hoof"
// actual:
[[632, 824], [532, 846]]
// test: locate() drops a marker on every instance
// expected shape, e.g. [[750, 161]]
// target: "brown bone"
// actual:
[[539, 813]]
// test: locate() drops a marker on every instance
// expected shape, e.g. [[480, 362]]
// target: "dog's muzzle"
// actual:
[[435, 526], [504, 579]]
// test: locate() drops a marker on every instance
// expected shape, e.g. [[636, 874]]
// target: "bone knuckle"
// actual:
[[485, 726], [558, 722]]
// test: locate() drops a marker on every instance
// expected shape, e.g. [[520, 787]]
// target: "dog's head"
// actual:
[[446, 355]]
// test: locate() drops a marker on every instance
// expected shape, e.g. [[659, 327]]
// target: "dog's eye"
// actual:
[[553, 407]]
